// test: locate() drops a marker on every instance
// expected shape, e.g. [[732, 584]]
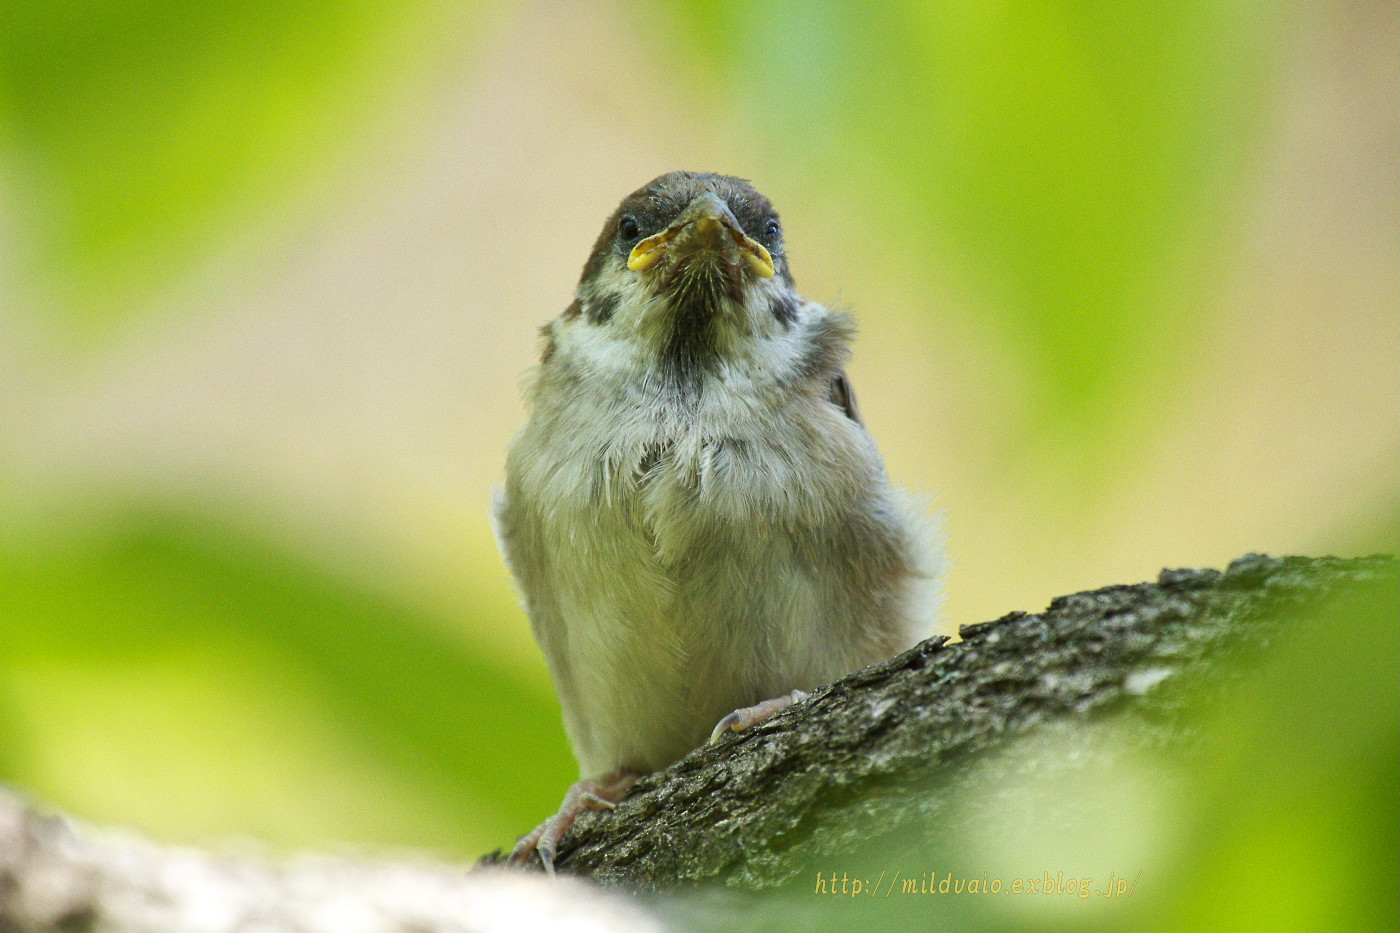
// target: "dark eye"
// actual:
[[771, 230], [627, 228]]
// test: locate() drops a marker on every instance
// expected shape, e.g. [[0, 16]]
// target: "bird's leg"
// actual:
[[742, 719], [599, 793]]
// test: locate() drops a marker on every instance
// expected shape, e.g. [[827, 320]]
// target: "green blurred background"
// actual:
[[270, 272]]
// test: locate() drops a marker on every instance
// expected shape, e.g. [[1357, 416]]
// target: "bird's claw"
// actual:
[[750, 716], [544, 839], [593, 802], [733, 721], [590, 794]]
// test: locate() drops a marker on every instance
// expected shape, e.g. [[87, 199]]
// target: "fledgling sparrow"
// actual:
[[699, 524]]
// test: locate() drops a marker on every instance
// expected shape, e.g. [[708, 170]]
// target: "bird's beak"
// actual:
[[707, 225]]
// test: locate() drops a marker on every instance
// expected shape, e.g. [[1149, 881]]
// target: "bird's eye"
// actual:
[[627, 228], [771, 230]]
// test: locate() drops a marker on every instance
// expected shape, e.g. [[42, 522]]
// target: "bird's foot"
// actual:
[[749, 716], [600, 793]]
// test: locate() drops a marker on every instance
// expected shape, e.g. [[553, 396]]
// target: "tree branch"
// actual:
[[759, 807]]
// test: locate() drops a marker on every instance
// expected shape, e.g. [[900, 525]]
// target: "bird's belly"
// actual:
[[674, 620]]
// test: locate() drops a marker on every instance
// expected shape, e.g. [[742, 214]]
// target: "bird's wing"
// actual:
[[843, 396]]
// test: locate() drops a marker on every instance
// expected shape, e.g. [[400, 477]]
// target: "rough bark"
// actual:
[[754, 809]]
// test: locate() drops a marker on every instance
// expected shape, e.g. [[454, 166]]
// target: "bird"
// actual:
[[699, 524]]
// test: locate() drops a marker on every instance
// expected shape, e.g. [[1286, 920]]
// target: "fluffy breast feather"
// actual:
[[681, 557]]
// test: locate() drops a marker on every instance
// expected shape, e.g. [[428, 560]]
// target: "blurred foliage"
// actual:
[[1075, 161], [148, 132], [1298, 821], [182, 660]]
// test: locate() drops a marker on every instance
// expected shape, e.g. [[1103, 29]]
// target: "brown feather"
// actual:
[[843, 396]]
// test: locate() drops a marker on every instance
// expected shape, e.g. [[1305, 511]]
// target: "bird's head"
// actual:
[[690, 266]]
